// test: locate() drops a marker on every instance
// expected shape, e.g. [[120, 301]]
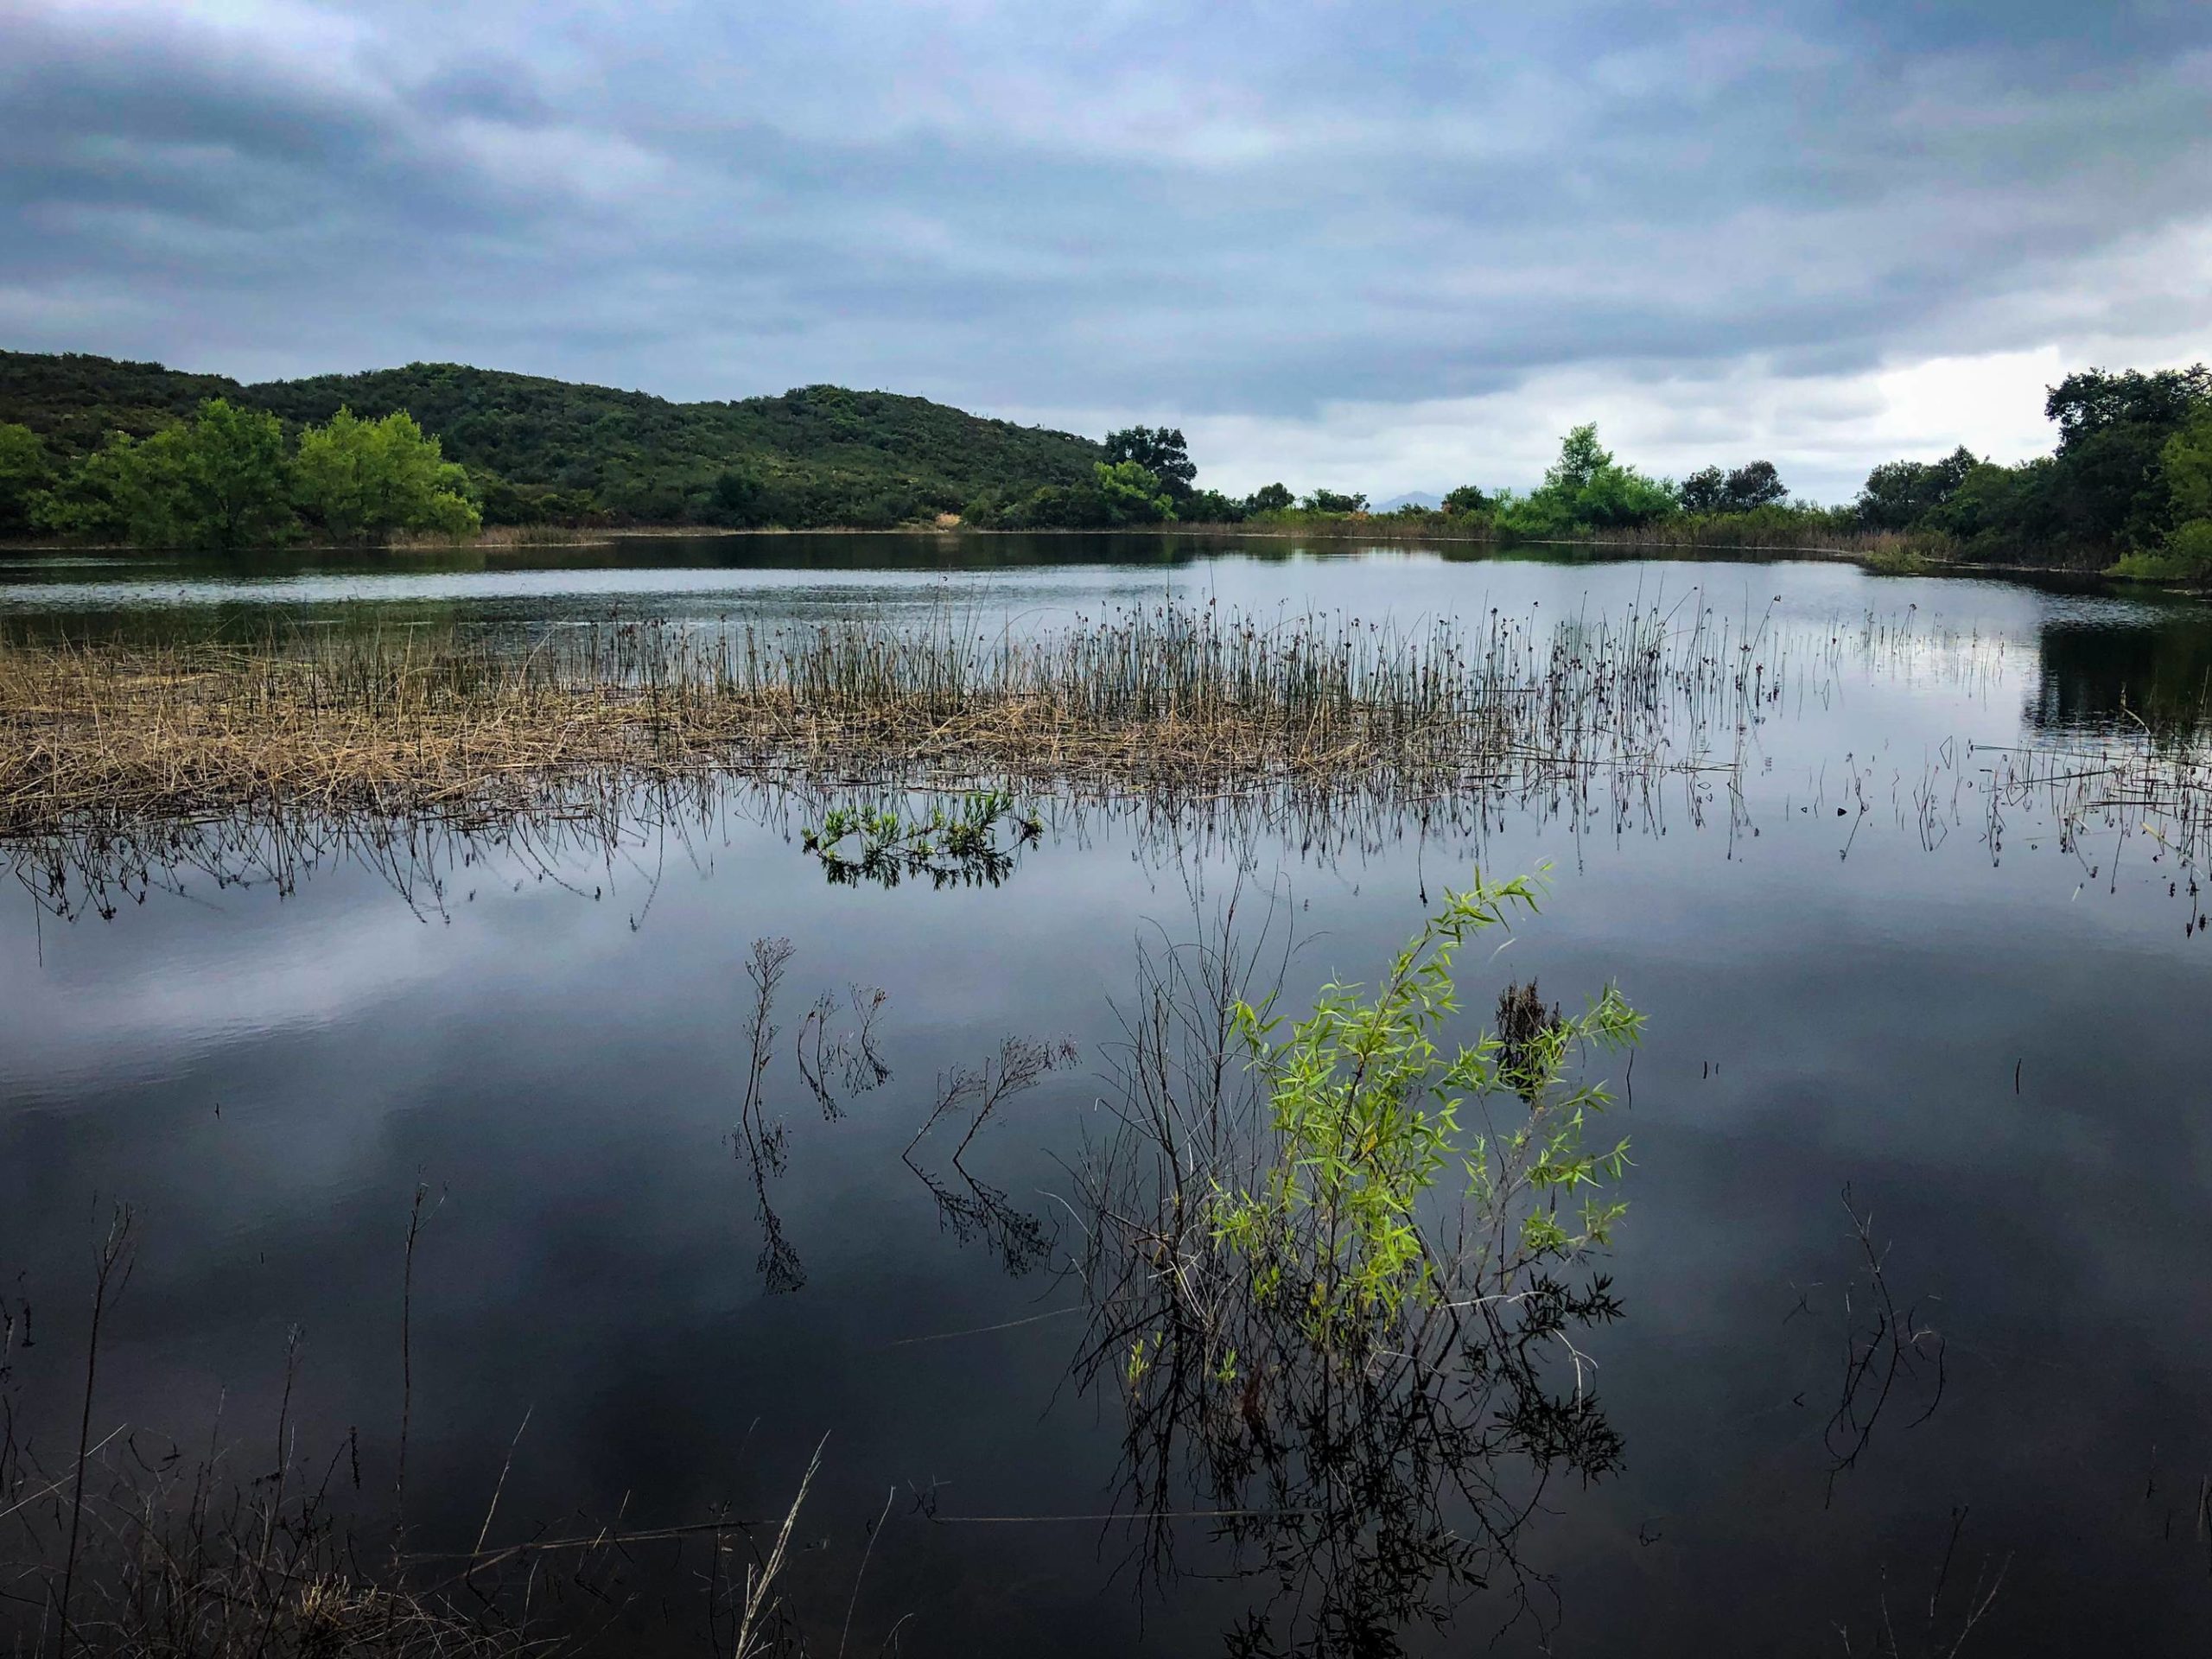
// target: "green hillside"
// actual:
[[543, 449]]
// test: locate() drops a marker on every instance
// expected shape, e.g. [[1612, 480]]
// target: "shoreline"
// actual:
[[1877, 562]]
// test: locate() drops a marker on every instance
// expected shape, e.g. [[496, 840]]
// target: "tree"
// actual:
[[104, 498], [1581, 458], [1586, 489], [25, 471], [365, 482], [2095, 401], [1269, 498], [1132, 493], [219, 480], [1705, 490], [1159, 450], [1465, 499], [736, 497], [1211, 507], [1756, 484], [2186, 462], [1334, 501], [1899, 494]]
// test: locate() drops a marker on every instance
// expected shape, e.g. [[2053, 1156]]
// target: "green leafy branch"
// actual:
[[961, 845]]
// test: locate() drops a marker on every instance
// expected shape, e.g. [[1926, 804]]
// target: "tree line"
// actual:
[[106, 451], [228, 477], [2128, 488]]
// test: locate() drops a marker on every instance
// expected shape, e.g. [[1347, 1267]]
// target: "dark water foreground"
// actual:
[[1915, 1289]]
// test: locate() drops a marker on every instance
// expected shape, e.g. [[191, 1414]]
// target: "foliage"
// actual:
[[2093, 402], [1749, 487], [1899, 494], [1585, 489], [1132, 495], [1366, 1109], [1334, 501], [2119, 486], [2187, 462], [1123, 493], [544, 450], [25, 471], [1465, 499], [1212, 508], [1370, 1382], [221, 480], [956, 847], [1270, 498], [1160, 451], [2186, 557], [363, 480]]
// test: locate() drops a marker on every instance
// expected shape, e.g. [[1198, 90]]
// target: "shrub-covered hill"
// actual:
[[541, 448]]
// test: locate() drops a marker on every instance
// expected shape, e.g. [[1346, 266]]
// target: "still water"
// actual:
[[1870, 1001]]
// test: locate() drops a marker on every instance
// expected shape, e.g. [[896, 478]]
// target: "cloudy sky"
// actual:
[[1368, 245]]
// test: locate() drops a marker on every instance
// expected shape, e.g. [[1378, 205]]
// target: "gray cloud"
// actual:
[[1229, 213]]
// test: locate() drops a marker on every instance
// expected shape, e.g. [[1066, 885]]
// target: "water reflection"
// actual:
[[1924, 996], [2158, 672]]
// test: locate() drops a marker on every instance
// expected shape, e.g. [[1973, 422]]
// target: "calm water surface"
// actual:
[[1995, 1042]]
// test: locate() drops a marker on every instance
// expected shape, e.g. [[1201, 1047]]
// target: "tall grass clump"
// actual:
[[1156, 701]]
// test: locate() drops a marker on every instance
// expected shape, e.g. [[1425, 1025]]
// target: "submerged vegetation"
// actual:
[[1336, 1275], [948, 845]]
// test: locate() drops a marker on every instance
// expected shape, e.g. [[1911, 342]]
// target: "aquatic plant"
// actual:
[[1365, 1108], [1331, 1270], [954, 844]]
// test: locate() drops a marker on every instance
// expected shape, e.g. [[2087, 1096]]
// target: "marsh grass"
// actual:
[[431, 758], [1161, 701]]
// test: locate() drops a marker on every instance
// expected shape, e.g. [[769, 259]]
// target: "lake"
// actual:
[[1914, 1287]]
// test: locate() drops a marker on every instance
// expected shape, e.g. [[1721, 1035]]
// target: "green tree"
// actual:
[[366, 480], [25, 471], [738, 499], [2095, 401], [1581, 459], [1132, 495], [1211, 507], [1756, 484], [222, 479], [2186, 461], [1269, 498], [103, 498], [1465, 499], [1334, 501], [1160, 450], [1586, 489], [1705, 490], [1899, 494]]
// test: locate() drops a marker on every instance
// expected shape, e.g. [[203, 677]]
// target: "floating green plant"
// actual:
[[960, 846]]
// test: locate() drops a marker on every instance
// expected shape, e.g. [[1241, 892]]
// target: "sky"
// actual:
[[1385, 247]]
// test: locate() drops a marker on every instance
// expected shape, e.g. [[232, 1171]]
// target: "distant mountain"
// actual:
[[541, 447], [1421, 499]]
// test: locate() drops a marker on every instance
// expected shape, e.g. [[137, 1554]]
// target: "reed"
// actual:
[[1160, 702]]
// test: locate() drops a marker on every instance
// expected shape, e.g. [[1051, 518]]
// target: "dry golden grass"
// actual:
[[1164, 702]]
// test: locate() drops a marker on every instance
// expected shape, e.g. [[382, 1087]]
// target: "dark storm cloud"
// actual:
[[1231, 210]]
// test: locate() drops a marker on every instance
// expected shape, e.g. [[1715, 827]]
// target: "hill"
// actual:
[[547, 449]]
